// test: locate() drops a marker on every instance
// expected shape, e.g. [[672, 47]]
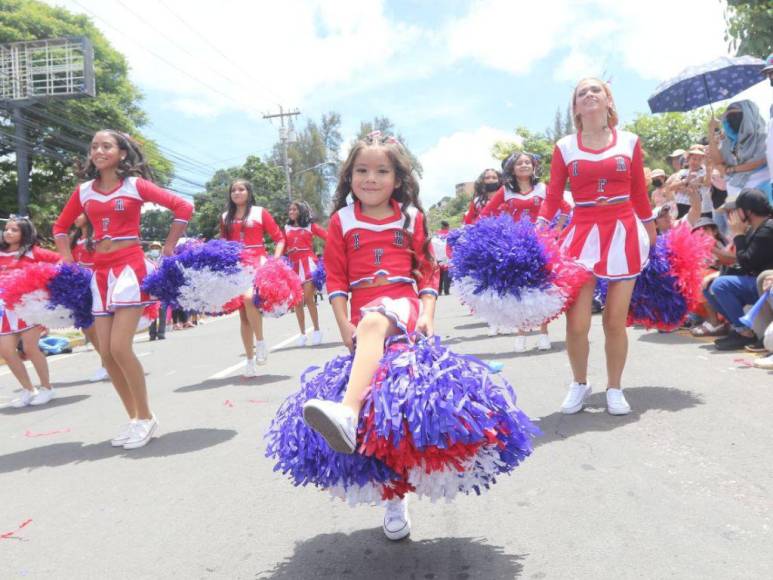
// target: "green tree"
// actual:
[[531, 142], [750, 27], [155, 224], [562, 125], [60, 131], [268, 183], [450, 209]]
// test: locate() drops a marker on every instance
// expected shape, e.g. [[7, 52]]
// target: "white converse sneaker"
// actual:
[[334, 421], [100, 375], [141, 433], [616, 403], [44, 396], [543, 342], [261, 352], [123, 435], [301, 340], [575, 398], [250, 369], [520, 343], [316, 338], [397, 522], [24, 399]]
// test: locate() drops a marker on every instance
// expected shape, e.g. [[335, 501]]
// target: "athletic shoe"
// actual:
[[543, 342], [250, 369], [764, 363], [24, 399], [334, 421], [575, 398], [734, 341], [261, 352], [123, 435], [757, 346], [44, 396], [100, 375], [616, 403], [141, 433], [301, 340], [316, 338], [520, 343], [397, 522]]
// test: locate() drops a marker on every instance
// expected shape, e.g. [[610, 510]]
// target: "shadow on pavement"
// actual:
[[668, 338], [308, 346], [557, 346], [58, 454], [55, 402], [594, 418], [471, 325], [231, 381], [368, 554]]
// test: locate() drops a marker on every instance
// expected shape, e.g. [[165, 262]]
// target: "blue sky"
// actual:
[[453, 76]]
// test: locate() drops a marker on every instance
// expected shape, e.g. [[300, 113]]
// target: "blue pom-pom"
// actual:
[[71, 288], [319, 276]]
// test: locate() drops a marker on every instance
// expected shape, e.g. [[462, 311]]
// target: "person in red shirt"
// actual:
[[378, 251], [248, 223], [610, 234], [118, 185], [19, 248], [299, 235], [442, 255], [488, 182]]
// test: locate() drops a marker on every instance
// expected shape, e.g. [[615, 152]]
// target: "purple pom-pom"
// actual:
[[71, 288], [319, 276]]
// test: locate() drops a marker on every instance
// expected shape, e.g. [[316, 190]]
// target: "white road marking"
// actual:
[[51, 359], [225, 372], [285, 342]]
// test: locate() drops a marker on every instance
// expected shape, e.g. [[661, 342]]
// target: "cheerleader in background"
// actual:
[[82, 250], [485, 186], [299, 233], [521, 196], [118, 185], [17, 249], [247, 223], [611, 232]]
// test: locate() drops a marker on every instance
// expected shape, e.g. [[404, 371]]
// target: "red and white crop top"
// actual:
[[360, 248], [250, 229], [613, 175], [82, 255], [116, 215], [11, 260], [301, 240], [519, 204]]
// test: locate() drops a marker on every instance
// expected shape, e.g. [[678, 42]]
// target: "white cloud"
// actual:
[[458, 158]]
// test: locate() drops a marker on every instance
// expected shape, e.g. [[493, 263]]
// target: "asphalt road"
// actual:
[[680, 488]]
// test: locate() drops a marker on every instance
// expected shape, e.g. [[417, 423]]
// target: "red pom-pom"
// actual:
[[277, 288], [567, 273], [688, 255], [17, 282]]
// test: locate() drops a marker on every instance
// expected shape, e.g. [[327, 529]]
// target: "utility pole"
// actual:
[[284, 138]]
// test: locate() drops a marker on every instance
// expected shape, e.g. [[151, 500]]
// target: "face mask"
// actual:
[[734, 120], [490, 187], [657, 182], [155, 253]]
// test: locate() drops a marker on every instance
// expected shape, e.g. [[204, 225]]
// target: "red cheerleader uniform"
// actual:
[[82, 255], [473, 212], [115, 215], [300, 248], [519, 204], [249, 231], [9, 322], [361, 249], [606, 234]]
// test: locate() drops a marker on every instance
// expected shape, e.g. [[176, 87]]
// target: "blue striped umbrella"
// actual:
[[697, 86]]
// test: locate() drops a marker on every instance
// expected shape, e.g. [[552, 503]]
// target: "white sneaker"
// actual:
[[250, 369], [543, 342], [261, 352], [141, 433], [334, 421], [616, 403], [397, 522], [44, 396], [301, 340], [316, 338], [24, 399], [123, 435], [492, 331], [100, 375], [520, 343], [575, 398]]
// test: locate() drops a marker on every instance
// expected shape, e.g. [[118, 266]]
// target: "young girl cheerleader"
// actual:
[[247, 223], [377, 250], [117, 187], [521, 195], [299, 233], [610, 234], [82, 250], [17, 249], [485, 186]]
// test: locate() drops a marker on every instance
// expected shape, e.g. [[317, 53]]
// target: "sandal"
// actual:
[[708, 329]]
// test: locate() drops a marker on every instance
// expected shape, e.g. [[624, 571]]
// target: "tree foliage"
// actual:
[[750, 27], [155, 224], [531, 142], [60, 131]]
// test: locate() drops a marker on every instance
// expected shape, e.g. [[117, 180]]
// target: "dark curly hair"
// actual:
[[230, 213], [304, 214], [479, 194], [29, 235], [509, 164], [133, 164]]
